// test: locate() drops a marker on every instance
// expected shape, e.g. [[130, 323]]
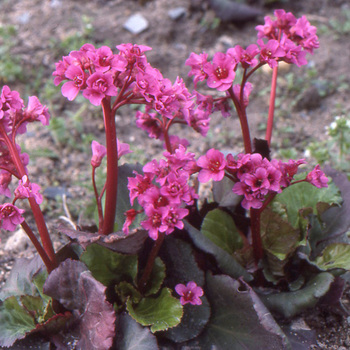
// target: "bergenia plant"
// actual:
[[165, 267]]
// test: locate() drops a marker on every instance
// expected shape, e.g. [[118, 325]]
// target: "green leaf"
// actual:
[[181, 267], [108, 266], [20, 280], [290, 304], [220, 228], [226, 262], [157, 277], [15, 321], [304, 195], [334, 256], [337, 219], [34, 306], [160, 313], [132, 336], [127, 291], [239, 320], [278, 236]]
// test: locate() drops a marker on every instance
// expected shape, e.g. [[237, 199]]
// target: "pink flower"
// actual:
[[175, 187], [105, 60], [99, 85], [10, 216], [221, 71], [98, 153], [153, 197], [305, 34], [284, 20], [293, 53], [196, 62], [267, 30], [123, 148], [175, 142], [223, 106], [36, 111], [181, 160], [248, 87], [138, 185], [258, 180], [149, 123], [10, 99], [148, 82], [190, 293], [270, 52], [245, 57], [26, 189], [61, 68], [213, 166], [288, 170], [173, 219], [131, 52], [154, 221], [130, 217], [77, 82], [199, 120], [317, 177], [251, 199], [5, 179]]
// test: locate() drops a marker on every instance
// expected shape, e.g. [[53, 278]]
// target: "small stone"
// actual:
[[17, 242], [347, 341], [299, 324], [176, 13], [136, 24], [24, 18], [52, 192], [55, 3]]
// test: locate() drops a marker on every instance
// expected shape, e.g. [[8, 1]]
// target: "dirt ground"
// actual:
[[308, 98]]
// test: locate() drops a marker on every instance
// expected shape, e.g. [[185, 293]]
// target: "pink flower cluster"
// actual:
[[289, 39], [255, 177], [11, 215], [162, 192], [90, 70], [294, 34], [14, 117], [100, 74]]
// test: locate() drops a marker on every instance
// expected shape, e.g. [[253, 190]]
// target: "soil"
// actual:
[[308, 97]]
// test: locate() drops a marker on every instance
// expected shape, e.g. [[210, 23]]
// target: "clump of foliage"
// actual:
[[161, 269]]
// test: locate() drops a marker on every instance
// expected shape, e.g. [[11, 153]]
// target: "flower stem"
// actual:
[[243, 120], [38, 215], [272, 105], [256, 237], [47, 261], [150, 262], [98, 199], [112, 168]]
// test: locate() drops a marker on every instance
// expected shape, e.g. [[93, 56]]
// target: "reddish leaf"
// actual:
[[118, 241], [75, 288]]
